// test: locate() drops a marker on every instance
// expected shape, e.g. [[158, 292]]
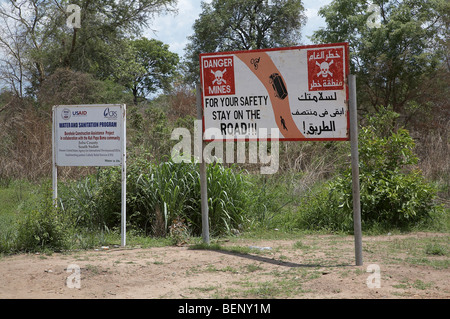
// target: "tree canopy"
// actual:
[[229, 25], [143, 66], [397, 61], [35, 40]]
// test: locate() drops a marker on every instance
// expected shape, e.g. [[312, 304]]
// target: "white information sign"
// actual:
[[88, 135]]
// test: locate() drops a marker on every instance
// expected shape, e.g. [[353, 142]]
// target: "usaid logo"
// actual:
[[79, 113], [65, 114], [110, 115]]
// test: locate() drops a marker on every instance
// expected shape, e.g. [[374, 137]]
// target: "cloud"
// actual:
[[314, 21], [174, 29]]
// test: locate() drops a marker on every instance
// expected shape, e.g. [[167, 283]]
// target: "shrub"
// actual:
[[393, 193], [163, 193], [42, 228], [228, 198]]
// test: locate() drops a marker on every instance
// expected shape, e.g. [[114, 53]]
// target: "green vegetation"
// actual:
[[402, 73], [157, 195], [163, 200], [233, 25], [394, 194]]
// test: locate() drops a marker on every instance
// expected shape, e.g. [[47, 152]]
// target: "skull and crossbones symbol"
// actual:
[[324, 68], [219, 77]]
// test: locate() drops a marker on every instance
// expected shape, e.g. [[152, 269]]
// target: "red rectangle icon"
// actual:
[[218, 75], [325, 69]]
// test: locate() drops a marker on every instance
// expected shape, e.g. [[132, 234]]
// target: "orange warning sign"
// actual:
[[294, 94]]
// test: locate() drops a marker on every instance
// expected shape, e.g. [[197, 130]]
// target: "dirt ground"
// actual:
[[311, 266]]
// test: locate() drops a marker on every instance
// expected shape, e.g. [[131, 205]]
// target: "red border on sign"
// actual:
[[346, 70]]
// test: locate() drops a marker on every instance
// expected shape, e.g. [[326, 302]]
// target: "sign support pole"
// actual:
[[54, 167], [203, 178], [123, 221], [355, 169]]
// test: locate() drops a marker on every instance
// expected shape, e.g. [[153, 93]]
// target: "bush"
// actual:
[[393, 193], [162, 193], [229, 196], [42, 228], [93, 203]]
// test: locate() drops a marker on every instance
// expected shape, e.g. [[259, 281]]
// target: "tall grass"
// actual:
[[162, 193], [159, 194], [229, 196]]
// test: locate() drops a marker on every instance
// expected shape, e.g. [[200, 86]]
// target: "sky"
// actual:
[[174, 29]]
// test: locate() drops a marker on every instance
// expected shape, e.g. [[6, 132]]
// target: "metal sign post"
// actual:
[[54, 165], [123, 207], [203, 177], [355, 170]]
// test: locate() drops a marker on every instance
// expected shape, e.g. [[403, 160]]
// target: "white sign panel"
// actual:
[[88, 135], [301, 91]]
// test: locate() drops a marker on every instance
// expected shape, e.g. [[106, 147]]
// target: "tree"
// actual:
[[228, 25], [22, 39], [393, 193], [68, 87], [46, 43], [143, 66], [391, 61], [103, 25]]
